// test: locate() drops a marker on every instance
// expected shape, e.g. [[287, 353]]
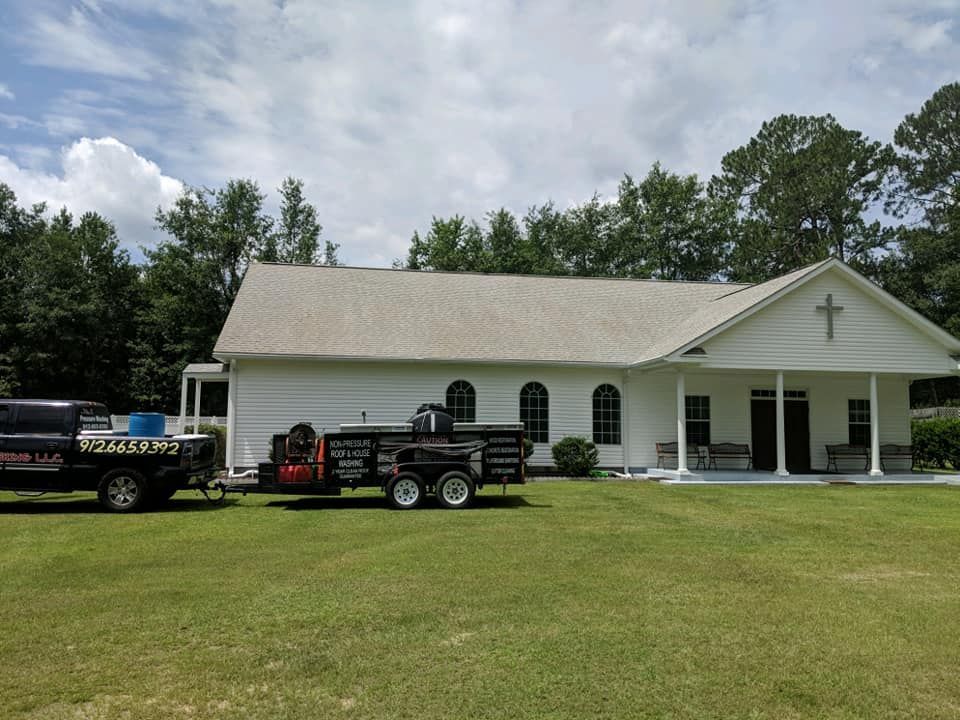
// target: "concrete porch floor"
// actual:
[[814, 477]]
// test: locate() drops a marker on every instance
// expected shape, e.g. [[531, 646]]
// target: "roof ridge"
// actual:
[[796, 271], [477, 273]]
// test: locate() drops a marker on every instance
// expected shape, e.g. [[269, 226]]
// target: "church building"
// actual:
[[818, 357]]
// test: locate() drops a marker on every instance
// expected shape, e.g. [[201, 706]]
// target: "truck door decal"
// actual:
[[129, 447]]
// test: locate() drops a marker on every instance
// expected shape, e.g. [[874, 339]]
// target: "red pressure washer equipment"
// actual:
[[300, 453]]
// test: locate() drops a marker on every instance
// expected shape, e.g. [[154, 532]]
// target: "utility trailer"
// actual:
[[430, 453]]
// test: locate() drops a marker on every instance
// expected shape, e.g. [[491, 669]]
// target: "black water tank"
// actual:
[[432, 419]]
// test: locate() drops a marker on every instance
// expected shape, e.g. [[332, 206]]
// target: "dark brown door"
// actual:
[[796, 418], [763, 421]]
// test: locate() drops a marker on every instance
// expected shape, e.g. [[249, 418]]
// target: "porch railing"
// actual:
[[122, 422]]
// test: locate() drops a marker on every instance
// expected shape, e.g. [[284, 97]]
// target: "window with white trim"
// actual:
[[462, 401], [764, 394], [606, 415], [858, 422], [698, 419], [535, 412]]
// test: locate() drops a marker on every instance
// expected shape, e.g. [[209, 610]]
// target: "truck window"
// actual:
[[95, 418], [4, 416], [41, 420]]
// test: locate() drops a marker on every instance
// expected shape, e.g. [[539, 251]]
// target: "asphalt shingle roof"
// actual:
[[342, 312]]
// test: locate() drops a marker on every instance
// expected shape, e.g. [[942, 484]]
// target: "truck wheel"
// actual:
[[123, 490], [405, 491], [455, 490]]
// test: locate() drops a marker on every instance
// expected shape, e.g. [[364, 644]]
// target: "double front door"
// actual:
[[763, 420]]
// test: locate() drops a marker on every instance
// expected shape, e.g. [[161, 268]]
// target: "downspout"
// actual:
[[625, 441], [231, 417]]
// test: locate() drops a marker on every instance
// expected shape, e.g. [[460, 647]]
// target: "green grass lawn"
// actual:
[[560, 600]]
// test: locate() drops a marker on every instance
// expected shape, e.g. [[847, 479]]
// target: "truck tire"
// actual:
[[123, 490], [455, 490], [406, 491]]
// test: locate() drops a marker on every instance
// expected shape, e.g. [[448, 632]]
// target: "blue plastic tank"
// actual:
[[147, 424]]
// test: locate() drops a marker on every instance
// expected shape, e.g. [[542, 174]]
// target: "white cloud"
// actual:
[[396, 111], [6, 93], [86, 41], [103, 175]]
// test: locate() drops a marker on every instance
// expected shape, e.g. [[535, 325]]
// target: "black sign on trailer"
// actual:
[[350, 458], [502, 455]]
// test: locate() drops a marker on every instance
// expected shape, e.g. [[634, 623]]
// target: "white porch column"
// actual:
[[681, 424], [197, 389], [874, 428], [781, 429], [184, 381]]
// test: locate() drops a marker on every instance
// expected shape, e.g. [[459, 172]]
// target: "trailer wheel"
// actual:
[[123, 490], [455, 490], [405, 491]]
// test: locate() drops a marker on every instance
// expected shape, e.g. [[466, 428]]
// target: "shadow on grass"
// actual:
[[362, 502], [85, 504]]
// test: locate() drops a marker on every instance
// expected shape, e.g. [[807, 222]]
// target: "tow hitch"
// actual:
[[210, 491]]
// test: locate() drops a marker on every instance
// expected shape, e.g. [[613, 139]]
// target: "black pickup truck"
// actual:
[[66, 446]]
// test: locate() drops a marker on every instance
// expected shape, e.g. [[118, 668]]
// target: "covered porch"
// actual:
[[198, 373], [811, 425]]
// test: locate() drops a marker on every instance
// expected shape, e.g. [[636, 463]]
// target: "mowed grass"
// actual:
[[560, 600]]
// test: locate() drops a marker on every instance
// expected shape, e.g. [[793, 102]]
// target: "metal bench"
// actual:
[[845, 451], [666, 451], [730, 451], [892, 451]]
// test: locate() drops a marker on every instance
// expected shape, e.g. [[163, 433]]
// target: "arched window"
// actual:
[[606, 415], [535, 412], [462, 401]]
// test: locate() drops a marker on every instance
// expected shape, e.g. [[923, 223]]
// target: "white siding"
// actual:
[[272, 395], [790, 334], [653, 413]]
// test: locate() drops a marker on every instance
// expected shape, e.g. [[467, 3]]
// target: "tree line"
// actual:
[[79, 319], [802, 189]]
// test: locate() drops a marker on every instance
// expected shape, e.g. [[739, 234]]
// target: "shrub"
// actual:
[[575, 456], [527, 452], [936, 441], [220, 433]]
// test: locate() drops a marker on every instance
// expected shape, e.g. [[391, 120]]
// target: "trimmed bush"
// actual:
[[220, 433], [936, 442], [527, 452], [575, 456]]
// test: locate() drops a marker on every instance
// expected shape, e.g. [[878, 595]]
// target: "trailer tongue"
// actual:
[[430, 453]]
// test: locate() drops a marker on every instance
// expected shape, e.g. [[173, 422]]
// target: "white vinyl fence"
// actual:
[[934, 412], [122, 422]]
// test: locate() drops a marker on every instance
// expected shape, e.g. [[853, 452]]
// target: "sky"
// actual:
[[393, 112]]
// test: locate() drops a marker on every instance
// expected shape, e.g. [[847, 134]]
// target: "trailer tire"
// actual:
[[123, 490], [455, 490], [406, 491]]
